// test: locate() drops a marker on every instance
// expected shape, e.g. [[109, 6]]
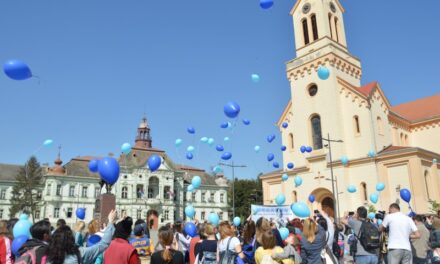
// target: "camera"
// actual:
[[380, 215]]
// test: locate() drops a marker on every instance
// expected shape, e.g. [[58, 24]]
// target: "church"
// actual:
[[358, 137]]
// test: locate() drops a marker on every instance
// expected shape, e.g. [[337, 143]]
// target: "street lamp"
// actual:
[[329, 141], [233, 181]]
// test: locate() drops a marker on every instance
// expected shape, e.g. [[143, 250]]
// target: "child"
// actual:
[[289, 250]]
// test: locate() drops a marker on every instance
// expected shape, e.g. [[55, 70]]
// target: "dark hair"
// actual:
[[418, 218], [139, 221], [178, 227], [151, 223], [323, 223], [61, 222], [61, 245], [395, 206], [39, 229], [201, 231], [249, 230], [362, 212], [166, 239], [123, 228]]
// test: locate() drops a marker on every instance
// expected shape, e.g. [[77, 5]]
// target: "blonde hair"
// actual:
[[93, 226], [268, 240], [79, 226], [209, 230], [309, 230], [225, 230]]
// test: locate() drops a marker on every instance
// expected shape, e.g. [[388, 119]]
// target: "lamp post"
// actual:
[[233, 181], [336, 195]]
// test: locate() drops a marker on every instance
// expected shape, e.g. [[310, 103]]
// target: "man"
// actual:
[[420, 247], [41, 236], [434, 256], [362, 256], [401, 230]]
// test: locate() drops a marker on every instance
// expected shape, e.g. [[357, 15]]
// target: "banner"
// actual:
[[280, 215]]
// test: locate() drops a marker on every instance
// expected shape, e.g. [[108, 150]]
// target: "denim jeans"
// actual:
[[400, 256], [366, 259]]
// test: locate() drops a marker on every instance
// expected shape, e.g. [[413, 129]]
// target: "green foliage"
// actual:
[[372, 209], [247, 192], [435, 207], [24, 193]]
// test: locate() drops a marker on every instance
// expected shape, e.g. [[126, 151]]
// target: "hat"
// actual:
[[123, 228], [139, 229]]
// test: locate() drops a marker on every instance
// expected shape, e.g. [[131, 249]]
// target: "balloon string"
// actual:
[[38, 78]]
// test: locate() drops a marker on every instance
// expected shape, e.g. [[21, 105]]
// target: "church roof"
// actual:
[[8, 172], [368, 88], [419, 110]]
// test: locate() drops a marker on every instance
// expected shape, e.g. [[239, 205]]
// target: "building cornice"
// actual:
[[299, 1]]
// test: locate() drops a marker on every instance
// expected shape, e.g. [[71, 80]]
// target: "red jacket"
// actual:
[[192, 247], [120, 252], [5, 251]]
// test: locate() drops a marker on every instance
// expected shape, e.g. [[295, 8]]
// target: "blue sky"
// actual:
[[103, 64]]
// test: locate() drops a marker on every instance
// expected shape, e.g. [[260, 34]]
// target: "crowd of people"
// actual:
[[390, 238]]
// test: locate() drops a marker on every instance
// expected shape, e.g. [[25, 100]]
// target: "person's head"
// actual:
[[79, 226], [225, 230], [139, 229], [323, 223], [394, 208], [62, 244], [166, 239], [123, 228], [268, 240], [297, 223], [201, 230], [309, 230], [61, 222], [290, 240], [362, 212], [93, 226], [418, 219], [4, 231], [262, 225], [41, 230], [209, 230], [249, 230], [178, 227]]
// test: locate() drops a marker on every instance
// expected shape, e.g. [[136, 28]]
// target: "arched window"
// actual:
[[294, 197], [313, 90], [153, 187], [330, 24], [427, 184], [124, 193], [364, 193], [379, 125], [291, 143], [336, 29], [314, 27], [316, 132], [357, 127], [406, 140], [305, 31]]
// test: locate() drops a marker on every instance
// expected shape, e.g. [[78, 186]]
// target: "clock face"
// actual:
[[306, 8], [332, 7]]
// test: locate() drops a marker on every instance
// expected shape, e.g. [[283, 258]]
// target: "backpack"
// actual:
[[369, 237], [30, 257], [228, 256], [338, 245], [249, 253], [209, 257]]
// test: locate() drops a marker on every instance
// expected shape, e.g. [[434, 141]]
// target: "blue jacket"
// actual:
[[311, 252]]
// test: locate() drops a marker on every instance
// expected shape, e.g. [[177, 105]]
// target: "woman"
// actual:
[[78, 229], [62, 248], [267, 248], [249, 231], [167, 255], [207, 249], [92, 229], [5, 244], [228, 246], [120, 251], [182, 243], [313, 242], [262, 226]]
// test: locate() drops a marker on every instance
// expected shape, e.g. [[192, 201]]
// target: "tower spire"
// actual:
[[143, 138]]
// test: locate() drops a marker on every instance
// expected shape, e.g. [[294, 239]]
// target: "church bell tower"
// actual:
[[143, 138]]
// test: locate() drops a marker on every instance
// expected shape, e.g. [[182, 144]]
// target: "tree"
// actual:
[[24, 193], [435, 207], [247, 192]]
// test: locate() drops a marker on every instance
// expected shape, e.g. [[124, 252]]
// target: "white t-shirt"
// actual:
[[224, 242], [400, 228]]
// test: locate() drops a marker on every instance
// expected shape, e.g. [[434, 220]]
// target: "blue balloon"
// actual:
[[204, 140], [284, 233], [255, 78], [196, 182], [309, 149], [285, 125], [108, 169], [405, 194], [226, 156], [190, 148], [246, 122], [22, 227], [290, 165], [219, 148], [190, 188], [154, 162], [93, 240], [224, 125], [351, 189], [280, 199], [344, 160], [300, 209], [312, 198], [284, 177], [298, 181], [411, 214], [189, 156], [17, 70], [379, 221], [380, 186], [17, 243], [231, 109], [226, 139], [190, 229], [178, 142], [303, 149], [210, 141], [270, 157], [276, 165], [374, 197], [266, 4], [270, 138], [191, 130], [237, 221], [213, 219], [323, 73], [126, 148], [190, 211], [371, 153], [93, 165], [283, 148], [48, 142], [81, 213], [217, 169], [257, 148], [371, 215]]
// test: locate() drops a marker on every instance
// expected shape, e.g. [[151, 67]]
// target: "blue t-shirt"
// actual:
[[142, 245]]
